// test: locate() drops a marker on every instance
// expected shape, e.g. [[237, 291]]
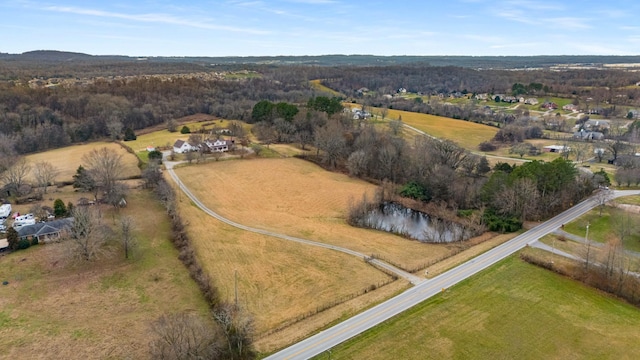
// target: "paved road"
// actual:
[[337, 334], [381, 264]]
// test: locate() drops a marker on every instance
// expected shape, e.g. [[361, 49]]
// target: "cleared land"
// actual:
[[66, 160], [512, 310], [318, 86], [298, 198], [53, 309], [278, 280], [465, 133]]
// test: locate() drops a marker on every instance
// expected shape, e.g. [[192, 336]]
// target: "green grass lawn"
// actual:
[[601, 227], [631, 200], [513, 310]]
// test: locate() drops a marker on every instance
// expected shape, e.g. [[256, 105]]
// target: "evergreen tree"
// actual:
[[12, 238], [59, 209]]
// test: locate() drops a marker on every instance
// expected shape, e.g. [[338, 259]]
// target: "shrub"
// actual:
[[155, 155], [34, 241], [487, 146], [23, 244], [185, 130], [416, 191], [129, 135], [501, 223]]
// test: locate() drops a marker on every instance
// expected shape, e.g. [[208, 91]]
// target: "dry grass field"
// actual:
[[278, 280], [66, 160], [467, 134], [53, 309], [318, 86], [298, 198]]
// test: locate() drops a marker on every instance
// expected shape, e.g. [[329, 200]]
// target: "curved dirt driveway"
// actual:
[[400, 273]]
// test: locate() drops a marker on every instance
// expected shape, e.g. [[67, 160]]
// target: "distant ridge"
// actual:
[[58, 56], [476, 62]]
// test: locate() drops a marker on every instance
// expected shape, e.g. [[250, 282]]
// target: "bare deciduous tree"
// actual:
[[114, 127], [44, 174], [127, 238], [104, 166], [14, 177], [116, 196], [395, 126], [87, 234], [185, 336], [331, 141], [603, 196], [237, 326]]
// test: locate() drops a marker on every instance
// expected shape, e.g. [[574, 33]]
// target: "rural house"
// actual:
[[588, 135], [181, 147], [531, 101], [219, 145], [45, 231]]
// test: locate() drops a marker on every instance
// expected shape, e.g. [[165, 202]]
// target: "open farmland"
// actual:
[[298, 198], [99, 310], [512, 310], [467, 134], [278, 280], [66, 160]]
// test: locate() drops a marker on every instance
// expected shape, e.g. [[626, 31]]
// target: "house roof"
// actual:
[[47, 228], [178, 143]]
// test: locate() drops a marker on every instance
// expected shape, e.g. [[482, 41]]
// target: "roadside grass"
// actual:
[[467, 134], [601, 227], [318, 86], [66, 160], [511, 310], [578, 249], [298, 198], [631, 200], [52, 308], [278, 280]]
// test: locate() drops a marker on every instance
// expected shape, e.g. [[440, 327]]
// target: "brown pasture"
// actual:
[[298, 198], [55, 309], [66, 160], [277, 280]]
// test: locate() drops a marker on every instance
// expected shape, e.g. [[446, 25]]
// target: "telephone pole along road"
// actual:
[[337, 334]]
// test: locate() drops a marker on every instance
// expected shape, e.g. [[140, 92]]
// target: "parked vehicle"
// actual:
[[18, 224], [5, 212]]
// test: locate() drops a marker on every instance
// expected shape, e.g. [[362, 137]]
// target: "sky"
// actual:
[[321, 27]]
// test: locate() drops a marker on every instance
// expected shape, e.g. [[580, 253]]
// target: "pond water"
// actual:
[[397, 219]]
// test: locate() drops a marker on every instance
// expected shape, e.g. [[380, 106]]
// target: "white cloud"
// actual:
[[154, 18]]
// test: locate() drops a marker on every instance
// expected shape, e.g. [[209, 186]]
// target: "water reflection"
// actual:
[[397, 219]]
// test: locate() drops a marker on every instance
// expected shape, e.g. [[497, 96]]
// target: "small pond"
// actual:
[[397, 219]]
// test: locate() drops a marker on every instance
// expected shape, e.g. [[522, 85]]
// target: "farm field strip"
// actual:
[[412, 278]]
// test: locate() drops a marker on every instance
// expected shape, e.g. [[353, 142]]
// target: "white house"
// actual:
[[181, 147], [219, 145]]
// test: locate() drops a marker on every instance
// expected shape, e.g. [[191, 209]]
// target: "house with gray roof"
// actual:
[[45, 231]]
